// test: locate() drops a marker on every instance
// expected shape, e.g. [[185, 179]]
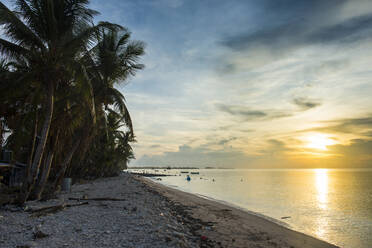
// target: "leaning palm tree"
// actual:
[[109, 63], [115, 60], [47, 36]]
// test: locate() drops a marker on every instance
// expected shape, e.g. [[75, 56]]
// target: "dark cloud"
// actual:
[[276, 143], [305, 103], [362, 125], [240, 110], [367, 134], [299, 23], [350, 30], [225, 141], [356, 154], [275, 149], [251, 115]]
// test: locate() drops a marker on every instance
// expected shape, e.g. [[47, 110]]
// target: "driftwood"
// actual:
[[53, 209], [96, 199]]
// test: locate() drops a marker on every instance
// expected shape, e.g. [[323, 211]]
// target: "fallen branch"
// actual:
[[96, 199], [53, 209]]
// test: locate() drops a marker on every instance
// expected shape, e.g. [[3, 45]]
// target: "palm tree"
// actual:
[[114, 60], [47, 36], [110, 62], [57, 85]]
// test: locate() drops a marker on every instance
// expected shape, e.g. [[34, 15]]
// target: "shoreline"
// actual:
[[232, 205], [134, 211], [235, 226]]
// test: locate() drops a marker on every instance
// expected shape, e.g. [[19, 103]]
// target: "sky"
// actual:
[[250, 83]]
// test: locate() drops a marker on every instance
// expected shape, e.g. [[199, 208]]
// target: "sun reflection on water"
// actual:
[[321, 185]]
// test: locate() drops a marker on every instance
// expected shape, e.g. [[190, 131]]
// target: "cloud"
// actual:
[[225, 141], [276, 154], [295, 35], [353, 29], [168, 3], [196, 156], [251, 115], [295, 24], [275, 149], [155, 146], [272, 156], [361, 125], [356, 154], [305, 103], [367, 134], [264, 60]]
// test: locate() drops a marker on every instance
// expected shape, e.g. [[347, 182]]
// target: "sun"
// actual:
[[319, 142]]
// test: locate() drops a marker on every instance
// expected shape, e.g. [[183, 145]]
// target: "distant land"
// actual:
[[171, 167]]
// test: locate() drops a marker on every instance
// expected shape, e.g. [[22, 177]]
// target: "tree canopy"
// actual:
[[59, 104]]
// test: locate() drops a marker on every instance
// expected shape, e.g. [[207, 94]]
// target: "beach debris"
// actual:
[[38, 234], [177, 234], [285, 217], [53, 209]]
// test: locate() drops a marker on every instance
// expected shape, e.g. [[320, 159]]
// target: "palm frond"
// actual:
[[12, 50], [17, 30]]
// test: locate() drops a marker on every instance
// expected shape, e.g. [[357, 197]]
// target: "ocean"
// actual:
[[334, 205]]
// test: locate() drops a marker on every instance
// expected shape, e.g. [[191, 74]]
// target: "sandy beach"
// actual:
[[132, 211], [232, 227]]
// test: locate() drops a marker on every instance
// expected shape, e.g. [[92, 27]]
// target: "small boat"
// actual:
[[195, 173], [184, 172], [188, 178]]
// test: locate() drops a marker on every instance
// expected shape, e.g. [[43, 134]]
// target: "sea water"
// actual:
[[334, 205]]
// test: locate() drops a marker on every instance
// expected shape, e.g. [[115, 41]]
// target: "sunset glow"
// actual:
[[319, 142], [186, 123]]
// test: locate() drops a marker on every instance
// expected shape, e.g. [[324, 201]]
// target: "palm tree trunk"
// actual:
[[33, 170], [45, 170], [32, 146], [1, 138], [65, 164], [84, 145], [39, 188]]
